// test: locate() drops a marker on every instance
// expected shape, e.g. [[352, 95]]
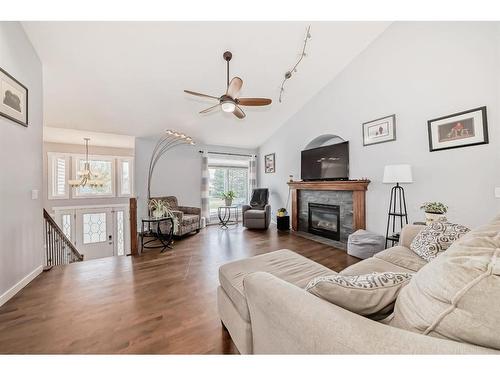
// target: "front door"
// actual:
[[95, 232]]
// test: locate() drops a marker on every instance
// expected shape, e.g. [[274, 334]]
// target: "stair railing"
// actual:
[[58, 248]]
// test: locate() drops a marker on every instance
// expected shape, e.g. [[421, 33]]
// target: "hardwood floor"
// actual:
[[155, 303]]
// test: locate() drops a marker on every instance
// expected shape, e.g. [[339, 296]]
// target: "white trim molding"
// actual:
[[20, 285]]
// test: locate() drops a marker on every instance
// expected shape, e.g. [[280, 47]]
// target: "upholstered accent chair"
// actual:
[[188, 217], [257, 214]]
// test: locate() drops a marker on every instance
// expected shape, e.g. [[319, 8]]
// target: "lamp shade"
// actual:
[[398, 173]]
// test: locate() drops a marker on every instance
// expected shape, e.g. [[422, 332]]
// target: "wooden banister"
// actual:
[[133, 226], [58, 248]]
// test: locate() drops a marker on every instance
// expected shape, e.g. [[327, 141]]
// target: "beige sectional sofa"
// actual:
[[263, 304]]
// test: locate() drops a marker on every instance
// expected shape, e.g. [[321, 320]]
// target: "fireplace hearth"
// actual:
[[324, 220]]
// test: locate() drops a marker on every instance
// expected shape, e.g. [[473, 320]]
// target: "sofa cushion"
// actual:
[[371, 295], [285, 264], [456, 296], [255, 214], [436, 238], [188, 219], [403, 257], [372, 265]]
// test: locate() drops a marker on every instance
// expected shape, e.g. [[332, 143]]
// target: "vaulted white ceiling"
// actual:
[[128, 77]]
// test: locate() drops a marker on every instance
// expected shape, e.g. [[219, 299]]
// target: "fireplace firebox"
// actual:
[[324, 220]]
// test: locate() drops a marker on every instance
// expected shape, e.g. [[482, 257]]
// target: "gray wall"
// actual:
[[419, 71], [177, 173], [21, 164], [79, 149]]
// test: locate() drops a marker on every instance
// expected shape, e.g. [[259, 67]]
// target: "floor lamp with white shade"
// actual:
[[396, 174]]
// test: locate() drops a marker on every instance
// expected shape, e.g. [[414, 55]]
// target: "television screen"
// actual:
[[326, 163]]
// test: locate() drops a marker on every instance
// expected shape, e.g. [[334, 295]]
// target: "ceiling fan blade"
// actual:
[[254, 101], [238, 112], [200, 94], [210, 109], [234, 87]]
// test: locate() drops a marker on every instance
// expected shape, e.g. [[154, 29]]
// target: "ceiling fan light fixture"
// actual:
[[228, 106]]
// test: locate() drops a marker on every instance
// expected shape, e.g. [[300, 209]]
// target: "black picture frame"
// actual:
[[484, 119], [391, 123], [272, 159], [21, 86]]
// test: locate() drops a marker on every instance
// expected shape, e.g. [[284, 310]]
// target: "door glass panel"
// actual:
[[94, 228], [66, 225], [120, 234]]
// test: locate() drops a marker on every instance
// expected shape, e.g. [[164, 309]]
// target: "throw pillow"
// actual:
[[457, 295], [372, 295], [436, 238]]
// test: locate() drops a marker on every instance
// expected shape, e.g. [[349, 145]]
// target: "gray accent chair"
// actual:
[[257, 214]]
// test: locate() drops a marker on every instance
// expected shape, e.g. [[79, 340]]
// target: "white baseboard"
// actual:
[[20, 285]]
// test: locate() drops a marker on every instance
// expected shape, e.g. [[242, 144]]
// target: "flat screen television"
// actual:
[[326, 163]]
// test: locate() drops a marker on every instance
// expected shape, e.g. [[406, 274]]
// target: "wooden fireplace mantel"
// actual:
[[358, 188]]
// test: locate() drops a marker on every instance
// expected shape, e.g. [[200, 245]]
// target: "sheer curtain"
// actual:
[[205, 208], [252, 175]]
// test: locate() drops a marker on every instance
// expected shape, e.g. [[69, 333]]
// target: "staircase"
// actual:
[[58, 248]]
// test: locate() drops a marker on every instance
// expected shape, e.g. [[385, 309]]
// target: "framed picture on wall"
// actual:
[[468, 128], [270, 163], [379, 130], [13, 99]]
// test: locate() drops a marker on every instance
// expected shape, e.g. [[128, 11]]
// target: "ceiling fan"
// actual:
[[230, 102]]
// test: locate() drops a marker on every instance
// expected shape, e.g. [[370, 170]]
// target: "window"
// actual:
[[58, 176], [66, 225], [117, 173], [224, 178], [125, 172], [104, 167], [120, 234], [94, 228]]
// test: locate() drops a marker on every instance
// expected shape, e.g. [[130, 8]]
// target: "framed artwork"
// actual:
[[461, 129], [270, 163], [379, 130], [13, 99]]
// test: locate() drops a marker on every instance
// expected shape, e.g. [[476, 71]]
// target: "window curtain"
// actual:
[[205, 209], [252, 175]]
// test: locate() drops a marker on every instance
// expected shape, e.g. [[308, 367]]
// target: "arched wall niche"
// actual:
[[324, 140]]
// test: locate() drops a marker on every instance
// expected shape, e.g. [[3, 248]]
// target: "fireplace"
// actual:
[[324, 220]]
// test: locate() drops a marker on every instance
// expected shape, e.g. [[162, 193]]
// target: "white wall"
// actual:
[[177, 173], [21, 165], [419, 71]]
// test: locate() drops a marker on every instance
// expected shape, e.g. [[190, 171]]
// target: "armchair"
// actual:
[[188, 217], [257, 215]]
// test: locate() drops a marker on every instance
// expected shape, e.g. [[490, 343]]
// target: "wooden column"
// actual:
[[357, 187], [133, 226]]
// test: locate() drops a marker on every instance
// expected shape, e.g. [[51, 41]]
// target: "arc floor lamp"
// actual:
[[167, 142]]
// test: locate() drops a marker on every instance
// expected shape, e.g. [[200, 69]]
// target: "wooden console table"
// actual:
[[358, 188]]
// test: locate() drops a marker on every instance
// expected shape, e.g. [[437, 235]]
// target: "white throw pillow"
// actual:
[[457, 295], [371, 295], [436, 238]]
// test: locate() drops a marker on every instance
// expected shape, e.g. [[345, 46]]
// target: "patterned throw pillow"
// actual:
[[371, 295], [436, 238]]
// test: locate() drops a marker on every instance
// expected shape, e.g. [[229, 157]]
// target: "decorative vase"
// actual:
[[431, 217], [229, 201]]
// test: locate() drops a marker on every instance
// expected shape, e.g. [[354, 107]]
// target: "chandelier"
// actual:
[[86, 176]]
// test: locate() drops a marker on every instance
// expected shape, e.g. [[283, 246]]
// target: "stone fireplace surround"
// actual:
[[349, 195]]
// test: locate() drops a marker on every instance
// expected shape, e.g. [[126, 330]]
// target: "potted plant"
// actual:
[[281, 212], [160, 208], [434, 211], [228, 197]]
